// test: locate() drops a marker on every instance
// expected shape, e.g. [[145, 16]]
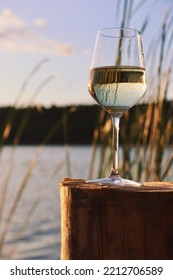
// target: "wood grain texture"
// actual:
[[107, 222]]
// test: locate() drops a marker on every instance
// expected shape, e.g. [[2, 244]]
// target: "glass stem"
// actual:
[[115, 145]]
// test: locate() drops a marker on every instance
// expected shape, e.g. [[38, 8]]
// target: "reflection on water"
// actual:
[[34, 231]]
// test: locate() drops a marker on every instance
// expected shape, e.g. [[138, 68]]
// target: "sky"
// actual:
[[46, 46]]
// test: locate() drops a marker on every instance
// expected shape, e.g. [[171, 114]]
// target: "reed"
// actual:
[[150, 160], [62, 122], [144, 160]]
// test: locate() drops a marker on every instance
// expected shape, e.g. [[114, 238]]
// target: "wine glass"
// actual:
[[117, 82]]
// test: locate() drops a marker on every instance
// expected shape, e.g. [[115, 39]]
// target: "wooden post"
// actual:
[[107, 222]]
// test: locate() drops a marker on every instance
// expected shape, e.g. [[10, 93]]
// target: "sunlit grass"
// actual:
[[54, 128], [150, 160], [144, 160]]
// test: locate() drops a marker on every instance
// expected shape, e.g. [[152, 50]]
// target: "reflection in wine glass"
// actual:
[[117, 82]]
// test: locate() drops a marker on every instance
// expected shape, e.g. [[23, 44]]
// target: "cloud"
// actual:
[[42, 45], [40, 22], [8, 19], [16, 35]]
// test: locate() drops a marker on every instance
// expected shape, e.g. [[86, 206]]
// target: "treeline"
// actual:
[[59, 125]]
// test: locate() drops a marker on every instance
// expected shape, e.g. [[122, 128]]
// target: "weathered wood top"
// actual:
[[146, 187], [116, 223]]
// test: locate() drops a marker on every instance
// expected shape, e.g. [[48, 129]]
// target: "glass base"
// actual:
[[115, 181]]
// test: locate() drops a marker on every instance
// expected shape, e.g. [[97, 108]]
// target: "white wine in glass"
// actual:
[[117, 82]]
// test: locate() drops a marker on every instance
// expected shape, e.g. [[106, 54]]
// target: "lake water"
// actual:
[[34, 174], [34, 231]]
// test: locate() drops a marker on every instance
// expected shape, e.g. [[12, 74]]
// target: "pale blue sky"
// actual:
[[63, 31]]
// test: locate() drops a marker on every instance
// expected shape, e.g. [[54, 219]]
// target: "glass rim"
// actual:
[[103, 33]]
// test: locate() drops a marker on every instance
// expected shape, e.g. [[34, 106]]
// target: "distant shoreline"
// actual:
[[72, 125]]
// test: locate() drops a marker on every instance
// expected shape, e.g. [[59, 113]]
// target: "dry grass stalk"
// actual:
[[149, 161]]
